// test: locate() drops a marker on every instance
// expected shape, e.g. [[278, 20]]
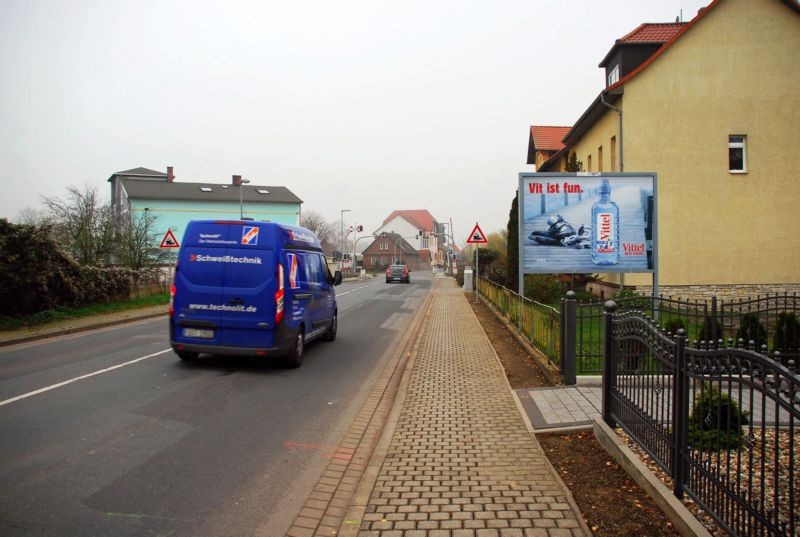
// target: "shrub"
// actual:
[[705, 331], [675, 324], [543, 288], [751, 329], [787, 333], [37, 275], [716, 421]]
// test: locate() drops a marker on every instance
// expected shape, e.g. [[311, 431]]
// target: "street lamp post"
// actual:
[[241, 199], [341, 224]]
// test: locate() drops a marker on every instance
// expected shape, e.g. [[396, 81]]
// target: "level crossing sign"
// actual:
[[477, 236], [169, 240]]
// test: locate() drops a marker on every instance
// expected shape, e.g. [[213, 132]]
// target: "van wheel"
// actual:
[[330, 334], [187, 356], [295, 357]]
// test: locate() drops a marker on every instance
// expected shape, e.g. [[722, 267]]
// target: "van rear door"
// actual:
[[198, 283], [250, 283]]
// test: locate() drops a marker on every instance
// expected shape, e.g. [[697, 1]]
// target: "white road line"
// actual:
[[76, 379], [356, 289]]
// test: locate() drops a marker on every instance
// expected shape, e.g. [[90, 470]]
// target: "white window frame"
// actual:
[[737, 141], [613, 76]]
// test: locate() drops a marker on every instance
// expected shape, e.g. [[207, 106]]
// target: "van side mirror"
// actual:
[[337, 277]]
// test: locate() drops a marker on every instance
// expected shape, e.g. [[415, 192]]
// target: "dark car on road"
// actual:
[[398, 273]]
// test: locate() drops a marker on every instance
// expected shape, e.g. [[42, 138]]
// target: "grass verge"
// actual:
[[44, 317]]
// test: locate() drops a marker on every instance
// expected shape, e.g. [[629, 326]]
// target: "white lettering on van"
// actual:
[[225, 259], [224, 307]]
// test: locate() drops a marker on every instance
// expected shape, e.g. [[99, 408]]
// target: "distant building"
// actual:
[[421, 230], [712, 106], [390, 248], [173, 204], [544, 142]]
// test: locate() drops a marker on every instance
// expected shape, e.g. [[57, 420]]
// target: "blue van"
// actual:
[[250, 289]]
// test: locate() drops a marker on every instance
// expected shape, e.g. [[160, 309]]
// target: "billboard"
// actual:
[[587, 222]]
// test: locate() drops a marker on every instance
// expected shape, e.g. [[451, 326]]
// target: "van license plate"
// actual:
[[198, 332]]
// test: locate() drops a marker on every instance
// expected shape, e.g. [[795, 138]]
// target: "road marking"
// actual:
[[76, 379], [356, 289]]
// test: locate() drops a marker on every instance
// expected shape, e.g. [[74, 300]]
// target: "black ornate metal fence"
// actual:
[[762, 324], [721, 420]]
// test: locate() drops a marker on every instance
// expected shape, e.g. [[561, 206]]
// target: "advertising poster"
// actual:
[[587, 223]]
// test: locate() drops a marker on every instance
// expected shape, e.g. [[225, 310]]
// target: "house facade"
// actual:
[[392, 248], [712, 107], [421, 230], [544, 142], [173, 204]]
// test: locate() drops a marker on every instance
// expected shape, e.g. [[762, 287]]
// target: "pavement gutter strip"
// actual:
[[361, 469], [677, 513], [358, 505]]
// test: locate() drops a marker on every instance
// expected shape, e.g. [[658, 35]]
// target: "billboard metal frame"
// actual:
[[526, 176]]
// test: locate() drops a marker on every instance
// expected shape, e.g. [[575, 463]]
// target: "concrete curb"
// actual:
[[358, 504], [677, 513]]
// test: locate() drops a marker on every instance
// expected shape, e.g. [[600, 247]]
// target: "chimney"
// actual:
[[170, 174], [237, 180]]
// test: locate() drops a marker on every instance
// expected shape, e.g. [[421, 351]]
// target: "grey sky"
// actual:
[[368, 106]]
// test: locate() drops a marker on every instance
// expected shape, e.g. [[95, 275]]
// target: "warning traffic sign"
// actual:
[[169, 240], [477, 236]]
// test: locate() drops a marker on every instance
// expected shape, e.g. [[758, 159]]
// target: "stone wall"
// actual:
[[722, 292]]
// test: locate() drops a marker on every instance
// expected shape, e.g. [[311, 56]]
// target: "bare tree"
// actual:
[[82, 223], [134, 244], [325, 231], [32, 217]]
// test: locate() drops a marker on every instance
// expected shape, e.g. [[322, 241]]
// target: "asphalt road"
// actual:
[[108, 433]]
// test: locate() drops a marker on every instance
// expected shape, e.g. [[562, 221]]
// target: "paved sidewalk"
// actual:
[[461, 461], [561, 406]]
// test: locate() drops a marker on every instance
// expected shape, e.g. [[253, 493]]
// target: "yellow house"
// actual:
[[713, 107]]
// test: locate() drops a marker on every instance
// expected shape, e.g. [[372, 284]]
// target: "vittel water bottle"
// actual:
[[605, 228]]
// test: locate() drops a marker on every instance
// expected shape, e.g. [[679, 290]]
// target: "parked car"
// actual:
[[398, 273], [251, 289]]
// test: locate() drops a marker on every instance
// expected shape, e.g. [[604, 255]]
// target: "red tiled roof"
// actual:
[[421, 218], [649, 32], [547, 138]]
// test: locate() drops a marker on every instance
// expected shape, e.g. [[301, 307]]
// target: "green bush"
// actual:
[[787, 333], [37, 275], [716, 421], [543, 288], [705, 331], [674, 324], [751, 329]]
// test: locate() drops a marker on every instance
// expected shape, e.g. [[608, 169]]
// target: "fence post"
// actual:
[[714, 336], [680, 418], [562, 330], [570, 340], [609, 361]]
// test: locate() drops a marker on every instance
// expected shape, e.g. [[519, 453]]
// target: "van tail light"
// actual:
[[405, 271], [172, 292], [279, 296], [388, 272]]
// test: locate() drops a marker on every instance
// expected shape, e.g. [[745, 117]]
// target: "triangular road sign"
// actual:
[[169, 240], [477, 236]]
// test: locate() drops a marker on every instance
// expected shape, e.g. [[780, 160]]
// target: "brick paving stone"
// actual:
[[461, 454]]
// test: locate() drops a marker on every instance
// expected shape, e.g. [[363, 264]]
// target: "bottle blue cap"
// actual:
[[605, 188]]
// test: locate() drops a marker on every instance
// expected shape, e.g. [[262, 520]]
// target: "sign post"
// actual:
[[476, 237]]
